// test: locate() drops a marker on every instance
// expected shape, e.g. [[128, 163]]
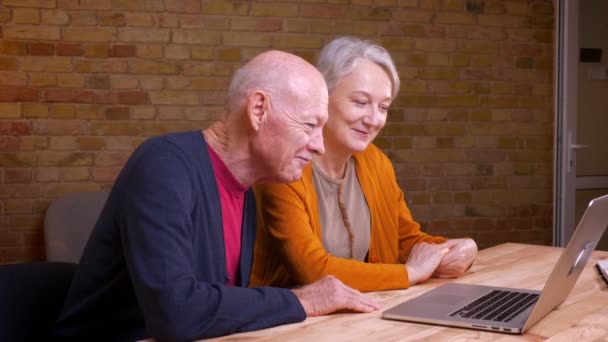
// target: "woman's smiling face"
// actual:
[[358, 106]]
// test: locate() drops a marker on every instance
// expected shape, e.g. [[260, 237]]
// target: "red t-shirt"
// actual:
[[232, 195]]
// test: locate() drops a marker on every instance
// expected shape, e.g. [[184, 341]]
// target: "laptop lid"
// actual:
[[433, 306], [573, 259]]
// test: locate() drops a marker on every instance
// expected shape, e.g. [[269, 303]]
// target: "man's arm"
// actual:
[[157, 227], [329, 294]]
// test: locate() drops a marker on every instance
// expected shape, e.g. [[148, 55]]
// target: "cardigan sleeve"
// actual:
[[408, 230], [294, 234], [155, 231]]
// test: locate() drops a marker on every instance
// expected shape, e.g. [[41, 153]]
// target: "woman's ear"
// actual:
[[257, 109]]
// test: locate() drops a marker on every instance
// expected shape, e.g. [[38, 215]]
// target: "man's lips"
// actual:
[[304, 159]]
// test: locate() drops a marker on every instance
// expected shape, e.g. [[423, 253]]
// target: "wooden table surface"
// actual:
[[582, 317]]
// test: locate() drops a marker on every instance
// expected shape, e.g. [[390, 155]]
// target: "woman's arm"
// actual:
[[289, 219]]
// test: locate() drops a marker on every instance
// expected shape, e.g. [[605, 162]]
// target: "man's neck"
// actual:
[[231, 151]]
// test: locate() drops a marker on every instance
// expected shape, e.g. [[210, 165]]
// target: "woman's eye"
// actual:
[[360, 103], [311, 125]]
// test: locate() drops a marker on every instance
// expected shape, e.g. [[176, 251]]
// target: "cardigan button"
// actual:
[[373, 258]]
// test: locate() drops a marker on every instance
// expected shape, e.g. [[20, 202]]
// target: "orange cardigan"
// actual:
[[289, 251]]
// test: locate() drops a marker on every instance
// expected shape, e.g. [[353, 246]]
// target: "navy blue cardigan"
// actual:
[[155, 265]]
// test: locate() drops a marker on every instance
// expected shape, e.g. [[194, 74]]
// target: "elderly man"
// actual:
[[171, 253]]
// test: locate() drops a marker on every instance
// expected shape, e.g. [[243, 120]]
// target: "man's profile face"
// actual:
[[295, 134]]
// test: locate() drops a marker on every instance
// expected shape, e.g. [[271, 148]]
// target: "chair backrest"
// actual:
[[68, 223], [31, 296]]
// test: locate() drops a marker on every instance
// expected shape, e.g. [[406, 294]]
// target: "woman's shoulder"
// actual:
[[371, 156]]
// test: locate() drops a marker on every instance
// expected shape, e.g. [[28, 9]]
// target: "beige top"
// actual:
[[344, 213]]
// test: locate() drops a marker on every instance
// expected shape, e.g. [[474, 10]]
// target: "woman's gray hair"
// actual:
[[341, 55]]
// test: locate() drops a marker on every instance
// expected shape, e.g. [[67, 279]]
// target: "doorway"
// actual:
[[581, 160]]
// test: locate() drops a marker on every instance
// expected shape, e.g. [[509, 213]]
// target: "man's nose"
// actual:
[[316, 143]]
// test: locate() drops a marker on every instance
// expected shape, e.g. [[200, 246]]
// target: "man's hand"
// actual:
[[462, 253], [423, 260], [329, 294]]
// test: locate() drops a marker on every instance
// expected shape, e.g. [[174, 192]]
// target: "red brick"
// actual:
[[191, 21], [14, 128], [139, 19], [268, 25], [41, 32], [9, 143], [89, 34], [40, 49], [111, 19], [69, 95], [123, 51], [18, 94], [5, 15], [99, 82], [106, 174], [111, 158], [168, 20], [196, 37], [30, 3], [133, 97], [46, 64], [8, 63], [65, 158], [126, 97], [69, 49], [17, 175], [153, 67], [55, 17], [35, 110], [26, 16], [58, 127], [12, 78], [109, 66], [9, 47], [183, 6], [8, 238], [100, 50], [323, 11], [149, 35], [106, 97], [117, 113]]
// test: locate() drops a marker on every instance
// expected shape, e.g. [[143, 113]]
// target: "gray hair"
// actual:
[[341, 55], [245, 80]]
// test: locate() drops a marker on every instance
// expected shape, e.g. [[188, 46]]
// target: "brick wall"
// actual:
[[82, 82]]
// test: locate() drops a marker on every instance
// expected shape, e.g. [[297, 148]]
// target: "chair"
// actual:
[[68, 223], [31, 296]]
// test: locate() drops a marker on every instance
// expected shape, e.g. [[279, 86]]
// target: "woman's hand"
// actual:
[[461, 254]]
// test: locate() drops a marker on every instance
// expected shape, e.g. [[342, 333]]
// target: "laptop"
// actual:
[[509, 310]]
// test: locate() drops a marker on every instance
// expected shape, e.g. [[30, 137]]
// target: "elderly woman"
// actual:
[[347, 216]]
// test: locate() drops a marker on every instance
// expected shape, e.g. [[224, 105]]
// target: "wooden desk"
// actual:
[[582, 317]]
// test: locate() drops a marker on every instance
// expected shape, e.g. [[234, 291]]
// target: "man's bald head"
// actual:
[[275, 73]]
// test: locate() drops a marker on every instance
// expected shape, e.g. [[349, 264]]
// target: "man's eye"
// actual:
[[360, 102], [311, 125]]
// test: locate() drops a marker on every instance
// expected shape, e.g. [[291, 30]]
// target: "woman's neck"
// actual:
[[332, 162]]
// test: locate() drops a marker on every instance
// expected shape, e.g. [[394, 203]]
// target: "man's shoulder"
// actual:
[[180, 139], [189, 143]]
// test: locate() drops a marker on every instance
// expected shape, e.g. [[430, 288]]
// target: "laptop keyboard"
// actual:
[[497, 305]]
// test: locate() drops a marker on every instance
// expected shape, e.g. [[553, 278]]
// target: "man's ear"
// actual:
[[257, 109]]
